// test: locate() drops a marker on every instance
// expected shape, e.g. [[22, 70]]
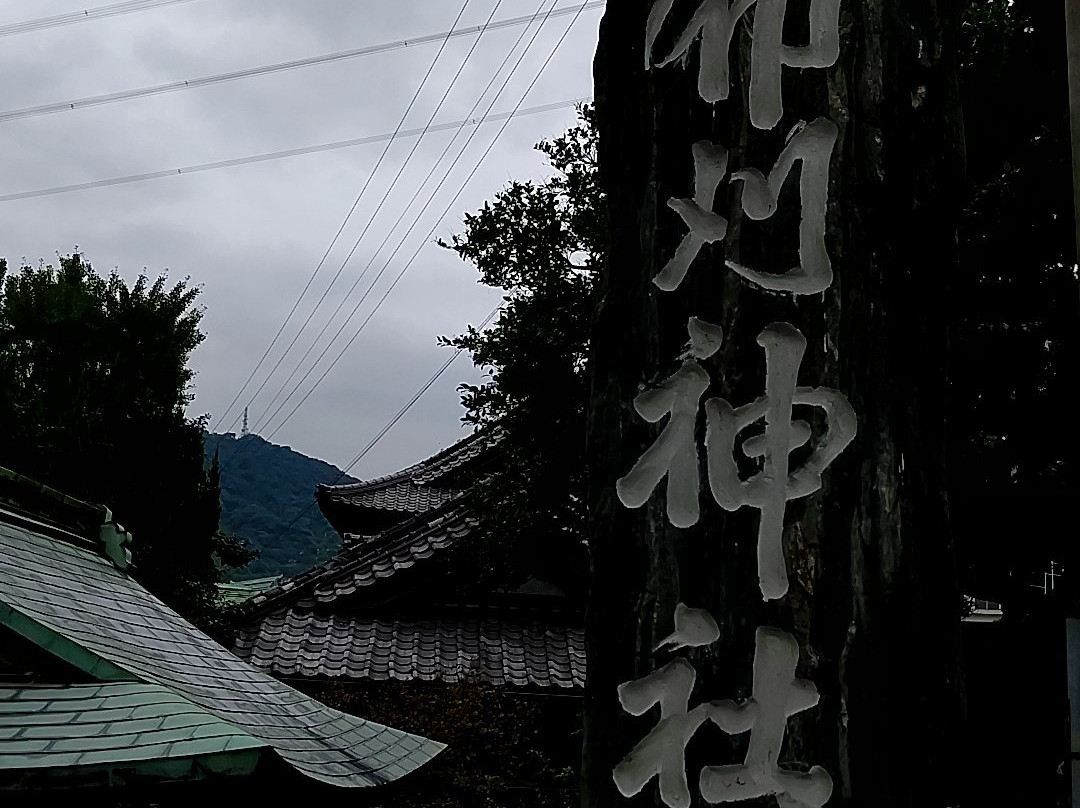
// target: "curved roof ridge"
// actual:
[[375, 548], [423, 472]]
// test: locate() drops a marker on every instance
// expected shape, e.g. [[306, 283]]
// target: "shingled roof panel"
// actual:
[[86, 607], [528, 651], [102, 724]]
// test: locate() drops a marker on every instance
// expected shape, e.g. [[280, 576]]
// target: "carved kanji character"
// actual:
[[770, 489], [715, 21], [674, 453], [777, 696]]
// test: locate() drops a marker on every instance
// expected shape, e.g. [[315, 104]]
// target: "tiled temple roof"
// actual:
[[382, 607], [414, 489], [498, 648], [362, 564]]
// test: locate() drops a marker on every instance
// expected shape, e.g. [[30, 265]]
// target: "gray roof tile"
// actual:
[[539, 651], [413, 490], [360, 566]]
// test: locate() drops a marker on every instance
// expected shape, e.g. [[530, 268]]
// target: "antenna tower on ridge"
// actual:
[[244, 429]]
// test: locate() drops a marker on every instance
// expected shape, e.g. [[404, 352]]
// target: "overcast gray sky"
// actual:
[[251, 235]]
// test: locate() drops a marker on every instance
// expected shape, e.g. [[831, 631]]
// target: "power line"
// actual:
[[262, 421], [221, 78], [341, 228], [86, 15], [391, 423], [423, 184], [370, 221], [259, 158], [404, 269]]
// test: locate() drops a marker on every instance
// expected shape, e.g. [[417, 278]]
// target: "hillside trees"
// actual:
[[93, 384], [266, 500]]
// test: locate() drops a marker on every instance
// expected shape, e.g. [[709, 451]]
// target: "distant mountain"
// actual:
[[263, 488]]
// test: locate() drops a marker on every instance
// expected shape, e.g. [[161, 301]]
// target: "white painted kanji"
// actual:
[[771, 488], [812, 145], [777, 696], [715, 21], [674, 454], [693, 628], [663, 751], [706, 227]]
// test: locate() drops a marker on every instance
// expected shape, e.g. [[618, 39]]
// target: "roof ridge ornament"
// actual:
[[117, 542]]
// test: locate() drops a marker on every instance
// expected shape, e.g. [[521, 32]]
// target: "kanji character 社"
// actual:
[[777, 696]]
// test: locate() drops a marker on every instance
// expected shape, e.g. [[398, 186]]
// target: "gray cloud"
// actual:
[[250, 236]]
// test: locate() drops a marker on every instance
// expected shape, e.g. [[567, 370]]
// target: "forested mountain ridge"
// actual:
[[264, 487]]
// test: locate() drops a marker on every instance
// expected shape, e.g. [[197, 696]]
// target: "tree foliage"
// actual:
[[504, 749], [266, 500], [542, 243], [94, 379]]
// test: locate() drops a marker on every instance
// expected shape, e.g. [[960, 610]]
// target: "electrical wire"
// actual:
[[367, 227], [416, 195], [391, 423], [431, 196], [260, 158], [221, 78], [262, 421], [404, 269], [341, 228], [86, 15]]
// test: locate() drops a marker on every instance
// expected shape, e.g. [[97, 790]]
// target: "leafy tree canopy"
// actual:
[[94, 379], [542, 243]]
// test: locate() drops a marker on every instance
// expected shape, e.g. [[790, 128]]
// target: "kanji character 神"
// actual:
[[776, 483]]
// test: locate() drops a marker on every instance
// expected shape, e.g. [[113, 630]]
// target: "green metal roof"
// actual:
[[128, 725], [78, 605], [238, 591]]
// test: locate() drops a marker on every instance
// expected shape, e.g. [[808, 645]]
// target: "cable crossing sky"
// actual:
[[412, 258], [418, 194], [221, 78], [86, 15], [263, 421], [337, 235], [374, 215]]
